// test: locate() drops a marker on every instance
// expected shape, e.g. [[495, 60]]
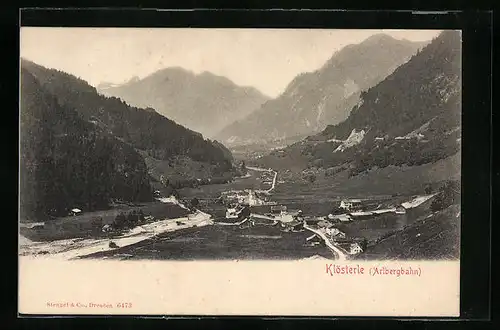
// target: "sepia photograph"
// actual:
[[170, 144], [177, 144]]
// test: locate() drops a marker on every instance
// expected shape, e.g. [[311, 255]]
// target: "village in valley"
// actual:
[[243, 210], [323, 228], [250, 208]]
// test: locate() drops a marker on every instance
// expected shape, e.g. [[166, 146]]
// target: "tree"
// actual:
[[245, 212], [132, 218], [448, 195], [141, 215], [243, 167], [120, 220], [363, 244], [97, 223], [195, 202], [428, 190]]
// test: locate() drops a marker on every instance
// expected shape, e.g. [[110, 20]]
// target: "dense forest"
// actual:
[[80, 149], [67, 162], [413, 117]]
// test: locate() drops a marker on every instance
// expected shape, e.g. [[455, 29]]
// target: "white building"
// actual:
[[332, 231], [284, 217], [106, 228], [400, 210], [343, 217], [232, 213], [75, 211], [349, 204], [355, 248]]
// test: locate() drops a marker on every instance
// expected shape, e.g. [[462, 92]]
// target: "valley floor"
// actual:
[[185, 236], [73, 248]]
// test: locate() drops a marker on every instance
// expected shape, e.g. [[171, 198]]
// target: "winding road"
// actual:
[[341, 255], [266, 170]]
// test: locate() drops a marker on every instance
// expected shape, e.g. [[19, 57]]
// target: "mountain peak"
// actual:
[[176, 69], [378, 38], [383, 39], [133, 79], [204, 102], [325, 96]]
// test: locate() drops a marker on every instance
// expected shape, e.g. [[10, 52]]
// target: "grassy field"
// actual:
[[434, 237], [380, 183], [214, 190], [383, 184], [81, 226], [375, 227], [224, 242]]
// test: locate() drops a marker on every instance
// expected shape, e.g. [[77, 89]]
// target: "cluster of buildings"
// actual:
[[239, 212], [348, 210], [336, 237], [242, 197], [290, 220], [351, 209], [323, 228]]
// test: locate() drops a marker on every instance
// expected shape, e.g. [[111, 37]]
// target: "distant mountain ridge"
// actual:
[[202, 102], [105, 85], [315, 99], [411, 118]]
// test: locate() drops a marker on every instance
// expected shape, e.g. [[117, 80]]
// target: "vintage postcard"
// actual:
[[301, 172]]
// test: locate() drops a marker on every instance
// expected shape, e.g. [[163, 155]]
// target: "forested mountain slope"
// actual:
[[82, 149], [413, 117], [67, 162]]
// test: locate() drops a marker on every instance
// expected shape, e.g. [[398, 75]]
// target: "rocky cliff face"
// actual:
[[314, 100], [413, 117]]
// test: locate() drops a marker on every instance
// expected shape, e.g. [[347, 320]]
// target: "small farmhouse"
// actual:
[[231, 213], [355, 248], [284, 217], [238, 213], [350, 204], [75, 211], [400, 210], [313, 240], [340, 217]]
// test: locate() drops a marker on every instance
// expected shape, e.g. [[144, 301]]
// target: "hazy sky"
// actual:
[[263, 58]]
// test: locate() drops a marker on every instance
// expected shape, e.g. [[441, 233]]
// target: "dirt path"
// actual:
[[266, 170], [340, 254], [73, 248]]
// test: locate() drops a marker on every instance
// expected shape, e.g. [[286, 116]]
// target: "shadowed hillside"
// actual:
[[82, 149], [67, 162]]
